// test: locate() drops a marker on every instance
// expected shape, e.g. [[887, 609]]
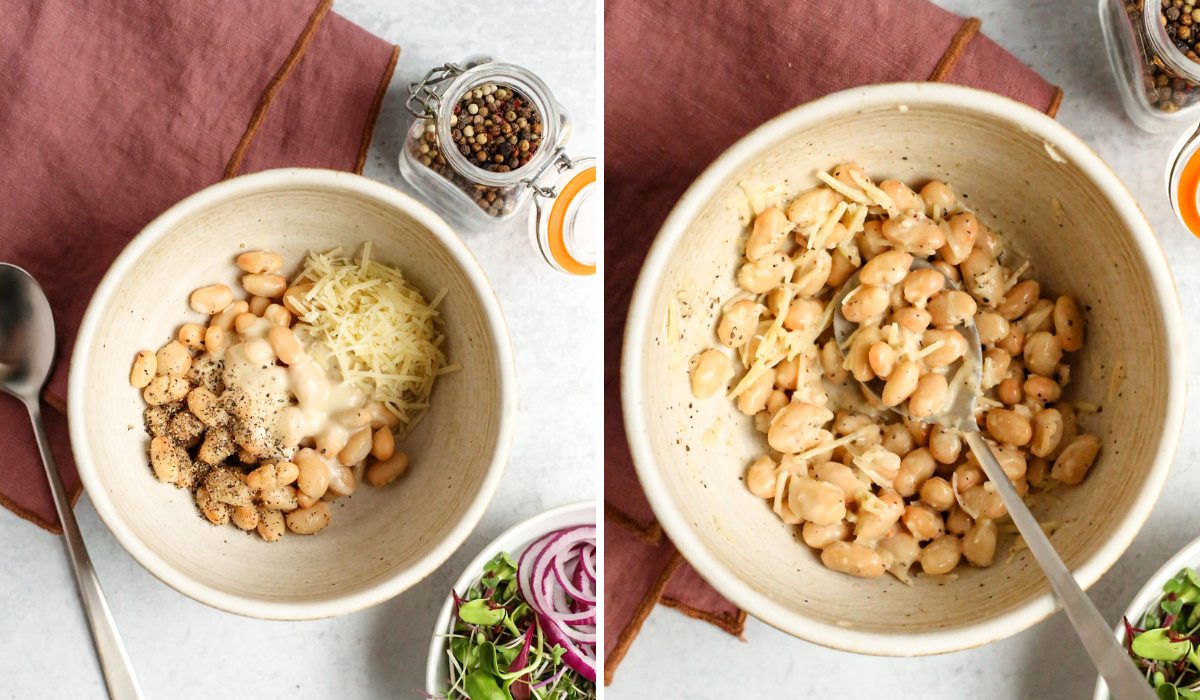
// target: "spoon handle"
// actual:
[[118, 672], [1124, 680]]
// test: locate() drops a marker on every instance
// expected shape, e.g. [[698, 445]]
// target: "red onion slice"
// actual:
[[588, 558], [558, 565], [556, 577], [559, 607], [577, 580], [574, 655]]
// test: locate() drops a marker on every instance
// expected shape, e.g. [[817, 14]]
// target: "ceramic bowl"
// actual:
[[1054, 199], [381, 540], [514, 541], [1149, 595]]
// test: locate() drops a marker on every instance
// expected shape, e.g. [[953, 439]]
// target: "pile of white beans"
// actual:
[[872, 492], [262, 435]]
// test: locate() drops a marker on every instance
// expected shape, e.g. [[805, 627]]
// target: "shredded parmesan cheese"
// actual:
[[1016, 276], [781, 480], [877, 195], [826, 446], [858, 217], [818, 239], [842, 189], [932, 347], [672, 322], [379, 329], [779, 344]]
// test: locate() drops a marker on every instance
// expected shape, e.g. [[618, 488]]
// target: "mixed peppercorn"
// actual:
[[495, 128], [1165, 90]]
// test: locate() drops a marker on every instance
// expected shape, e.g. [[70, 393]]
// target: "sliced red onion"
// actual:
[[525, 565], [589, 563], [587, 585], [559, 608], [574, 655], [586, 616], [577, 580], [556, 577], [564, 580]]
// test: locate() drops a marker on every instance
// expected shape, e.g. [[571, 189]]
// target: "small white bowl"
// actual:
[[1188, 556], [1055, 200], [514, 540], [382, 540]]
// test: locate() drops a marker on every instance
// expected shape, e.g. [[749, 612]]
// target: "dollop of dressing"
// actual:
[[288, 403]]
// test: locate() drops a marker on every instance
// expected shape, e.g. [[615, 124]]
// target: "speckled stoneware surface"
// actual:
[[382, 539], [1052, 199]]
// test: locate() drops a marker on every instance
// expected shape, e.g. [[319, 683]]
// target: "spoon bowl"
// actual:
[[27, 339], [967, 372]]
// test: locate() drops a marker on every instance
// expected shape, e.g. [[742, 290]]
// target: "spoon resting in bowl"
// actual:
[[1123, 678]]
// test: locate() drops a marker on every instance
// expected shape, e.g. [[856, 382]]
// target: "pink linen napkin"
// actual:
[[683, 82], [113, 110]]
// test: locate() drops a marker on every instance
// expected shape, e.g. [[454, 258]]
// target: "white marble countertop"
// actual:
[[678, 657], [183, 649]]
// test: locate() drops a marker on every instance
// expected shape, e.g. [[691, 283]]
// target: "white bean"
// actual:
[[211, 300]]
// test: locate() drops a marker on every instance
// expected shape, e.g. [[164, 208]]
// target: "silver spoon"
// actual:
[[26, 358], [1124, 680]]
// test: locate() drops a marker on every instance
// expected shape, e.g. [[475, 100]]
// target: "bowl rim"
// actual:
[[690, 205], [520, 534], [281, 180], [1189, 555]]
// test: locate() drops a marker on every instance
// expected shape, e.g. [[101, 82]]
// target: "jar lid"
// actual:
[[1183, 180], [562, 223]]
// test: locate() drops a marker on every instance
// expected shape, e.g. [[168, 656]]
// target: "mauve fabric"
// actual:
[[113, 110], [683, 82], [629, 563]]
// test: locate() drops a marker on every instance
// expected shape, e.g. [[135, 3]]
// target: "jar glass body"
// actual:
[[1159, 85], [459, 190]]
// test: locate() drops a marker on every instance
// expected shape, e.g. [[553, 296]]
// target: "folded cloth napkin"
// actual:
[[683, 82], [113, 110]]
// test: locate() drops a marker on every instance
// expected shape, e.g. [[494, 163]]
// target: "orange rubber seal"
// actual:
[[554, 226], [1185, 195]]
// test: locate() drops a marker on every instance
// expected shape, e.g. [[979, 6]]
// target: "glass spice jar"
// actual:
[[1155, 56], [488, 139]]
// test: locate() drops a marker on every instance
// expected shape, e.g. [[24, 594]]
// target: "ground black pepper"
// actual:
[[497, 129]]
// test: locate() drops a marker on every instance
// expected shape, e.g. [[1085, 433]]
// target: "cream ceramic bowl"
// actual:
[[381, 540], [1048, 193]]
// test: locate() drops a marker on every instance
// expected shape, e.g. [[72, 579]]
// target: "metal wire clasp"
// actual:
[[423, 101], [561, 161]]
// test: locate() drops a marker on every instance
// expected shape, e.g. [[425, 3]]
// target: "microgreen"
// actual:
[[1166, 644], [496, 650]]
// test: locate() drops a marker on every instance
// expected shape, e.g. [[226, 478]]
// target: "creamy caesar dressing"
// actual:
[[287, 405]]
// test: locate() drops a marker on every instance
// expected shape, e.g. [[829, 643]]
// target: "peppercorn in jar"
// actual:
[[488, 140], [1152, 46]]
